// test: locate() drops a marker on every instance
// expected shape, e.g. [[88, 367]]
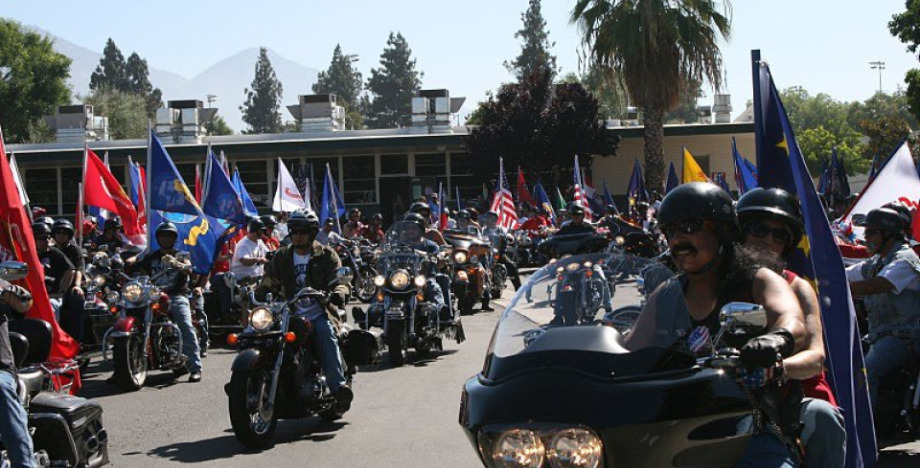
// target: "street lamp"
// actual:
[[878, 65], [211, 98]]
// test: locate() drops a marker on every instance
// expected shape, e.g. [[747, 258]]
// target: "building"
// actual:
[[377, 170]]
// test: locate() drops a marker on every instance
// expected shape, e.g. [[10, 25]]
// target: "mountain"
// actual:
[[225, 79]]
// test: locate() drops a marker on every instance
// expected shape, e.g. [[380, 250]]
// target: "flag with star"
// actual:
[[817, 259]]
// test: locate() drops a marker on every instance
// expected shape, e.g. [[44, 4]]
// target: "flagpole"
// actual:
[[148, 172], [79, 217], [334, 196], [206, 179], [758, 106]]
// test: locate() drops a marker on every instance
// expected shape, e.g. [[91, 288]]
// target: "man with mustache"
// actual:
[[702, 230]]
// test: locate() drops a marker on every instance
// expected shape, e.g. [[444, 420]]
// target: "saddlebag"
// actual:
[[69, 428], [361, 347]]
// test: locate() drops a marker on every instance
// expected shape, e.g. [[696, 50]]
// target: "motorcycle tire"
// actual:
[[249, 425], [396, 344], [365, 289], [130, 367], [465, 305]]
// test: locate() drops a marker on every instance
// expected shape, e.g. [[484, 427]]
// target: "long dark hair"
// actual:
[[737, 269]]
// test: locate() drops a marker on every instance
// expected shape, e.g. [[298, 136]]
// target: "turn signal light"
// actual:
[[380, 297], [419, 297], [290, 337], [156, 306], [233, 339], [113, 309], [589, 273]]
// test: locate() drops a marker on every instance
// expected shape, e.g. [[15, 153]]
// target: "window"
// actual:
[[463, 177], [318, 168], [70, 185], [255, 180], [394, 164], [359, 185], [430, 165], [41, 185]]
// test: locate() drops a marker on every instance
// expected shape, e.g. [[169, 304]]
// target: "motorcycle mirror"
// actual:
[[741, 318], [12, 271]]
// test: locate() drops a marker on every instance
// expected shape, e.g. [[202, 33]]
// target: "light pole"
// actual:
[[878, 65], [211, 98]]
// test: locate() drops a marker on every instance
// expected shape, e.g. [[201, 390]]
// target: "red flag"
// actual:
[[523, 193], [101, 189], [198, 183], [17, 243]]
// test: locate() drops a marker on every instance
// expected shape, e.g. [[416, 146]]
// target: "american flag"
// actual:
[[503, 203], [580, 196]]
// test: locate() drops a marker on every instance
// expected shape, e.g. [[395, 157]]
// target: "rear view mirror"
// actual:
[[741, 318], [12, 271]]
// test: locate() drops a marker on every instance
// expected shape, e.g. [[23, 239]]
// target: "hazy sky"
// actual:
[[822, 45]]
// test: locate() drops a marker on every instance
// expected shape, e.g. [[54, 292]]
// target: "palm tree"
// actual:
[[658, 47]]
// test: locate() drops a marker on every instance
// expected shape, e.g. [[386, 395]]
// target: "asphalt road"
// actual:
[[405, 417]]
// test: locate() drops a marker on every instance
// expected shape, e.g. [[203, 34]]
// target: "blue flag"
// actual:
[[332, 205], [781, 164], [249, 208], [745, 172], [134, 172], [608, 199], [673, 181], [636, 193], [719, 179], [221, 199], [170, 199], [543, 201]]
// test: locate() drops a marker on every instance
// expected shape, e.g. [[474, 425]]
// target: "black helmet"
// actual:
[[268, 221], [303, 219], [903, 212], [611, 209], [353, 211], [45, 220], [474, 214], [464, 214], [696, 200], [40, 229], [418, 207], [885, 219], [576, 209], [63, 225], [112, 223], [772, 203], [255, 225], [167, 226], [417, 219]]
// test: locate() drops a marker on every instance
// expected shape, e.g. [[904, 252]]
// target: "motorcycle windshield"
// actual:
[[403, 233], [576, 313]]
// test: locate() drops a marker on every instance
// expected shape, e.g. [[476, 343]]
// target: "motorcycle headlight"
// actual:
[[379, 280], [519, 448], [261, 319], [99, 280], [575, 448], [572, 266], [588, 264], [460, 257], [133, 292], [399, 279], [620, 240], [112, 297], [419, 280]]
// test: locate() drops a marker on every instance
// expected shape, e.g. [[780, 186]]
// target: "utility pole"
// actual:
[[211, 98], [878, 65]]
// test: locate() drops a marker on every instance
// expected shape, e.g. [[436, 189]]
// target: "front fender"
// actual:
[[245, 360], [124, 324]]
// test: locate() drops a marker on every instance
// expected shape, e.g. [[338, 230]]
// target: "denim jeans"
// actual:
[[182, 314], [197, 305], [823, 434], [766, 451], [329, 353], [887, 354], [14, 429]]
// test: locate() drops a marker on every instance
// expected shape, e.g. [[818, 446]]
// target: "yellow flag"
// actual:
[[692, 170]]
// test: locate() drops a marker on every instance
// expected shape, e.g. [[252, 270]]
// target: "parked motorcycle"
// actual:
[[278, 373], [66, 430], [408, 317], [613, 402], [467, 249], [144, 336]]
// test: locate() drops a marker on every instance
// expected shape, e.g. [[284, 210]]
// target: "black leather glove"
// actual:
[[765, 350], [337, 299]]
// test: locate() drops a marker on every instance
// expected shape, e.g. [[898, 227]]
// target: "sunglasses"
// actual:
[[869, 232], [687, 226], [302, 232], [761, 230]]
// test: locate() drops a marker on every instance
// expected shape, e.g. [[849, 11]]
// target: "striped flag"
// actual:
[[503, 203], [581, 198]]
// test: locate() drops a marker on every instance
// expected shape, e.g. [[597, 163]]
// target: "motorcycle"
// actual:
[[408, 318], [66, 430], [558, 245], [498, 271], [361, 264], [629, 403], [278, 374], [102, 273], [467, 249], [144, 336], [897, 413]]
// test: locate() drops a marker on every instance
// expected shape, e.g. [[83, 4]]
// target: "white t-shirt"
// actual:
[[249, 249], [301, 263], [899, 273]]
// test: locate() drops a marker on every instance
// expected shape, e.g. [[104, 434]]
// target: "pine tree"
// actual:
[[263, 99], [535, 54], [138, 82], [341, 79], [393, 85], [111, 69]]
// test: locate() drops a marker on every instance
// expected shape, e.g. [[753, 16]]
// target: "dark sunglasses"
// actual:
[[761, 230], [302, 232], [43, 237], [869, 232], [687, 226]]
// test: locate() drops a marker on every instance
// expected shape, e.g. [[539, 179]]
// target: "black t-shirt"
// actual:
[[74, 253], [6, 350], [571, 228], [56, 264], [173, 282], [111, 244]]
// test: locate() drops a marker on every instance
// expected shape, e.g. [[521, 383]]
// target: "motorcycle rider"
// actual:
[[63, 232], [577, 225], [327, 236], [889, 282], [771, 221], [307, 263], [353, 227], [250, 254], [14, 430], [176, 281], [431, 233], [493, 231], [464, 221], [109, 238], [268, 237], [374, 231], [57, 267], [701, 228]]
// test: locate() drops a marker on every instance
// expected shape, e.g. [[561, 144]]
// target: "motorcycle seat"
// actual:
[[33, 379], [20, 345], [38, 337]]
